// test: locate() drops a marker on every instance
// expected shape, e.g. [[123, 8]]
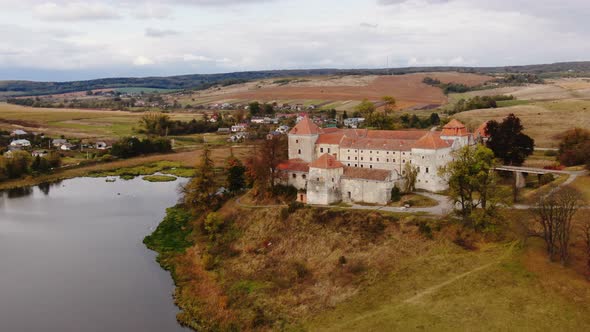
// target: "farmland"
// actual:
[[340, 92]]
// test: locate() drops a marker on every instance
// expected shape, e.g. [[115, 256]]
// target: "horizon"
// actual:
[[63, 40]]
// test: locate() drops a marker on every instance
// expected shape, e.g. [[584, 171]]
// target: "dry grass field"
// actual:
[[74, 122], [342, 92], [543, 121]]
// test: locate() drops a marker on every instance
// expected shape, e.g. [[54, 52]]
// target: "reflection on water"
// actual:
[[72, 258]]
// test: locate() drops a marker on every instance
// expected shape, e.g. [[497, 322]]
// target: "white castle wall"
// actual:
[[302, 147], [366, 191]]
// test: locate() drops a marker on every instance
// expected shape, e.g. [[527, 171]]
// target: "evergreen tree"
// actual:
[[198, 193], [235, 174]]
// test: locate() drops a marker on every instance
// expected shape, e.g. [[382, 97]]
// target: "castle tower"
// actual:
[[456, 131], [302, 139], [323, 186]]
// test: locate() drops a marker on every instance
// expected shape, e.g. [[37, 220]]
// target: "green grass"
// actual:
[[164, 167], [515, 102], [171, 235], [159, 178]]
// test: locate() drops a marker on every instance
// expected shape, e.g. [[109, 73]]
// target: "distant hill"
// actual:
[[202, 81]]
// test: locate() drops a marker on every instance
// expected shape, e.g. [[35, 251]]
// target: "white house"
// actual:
[[20, 143]]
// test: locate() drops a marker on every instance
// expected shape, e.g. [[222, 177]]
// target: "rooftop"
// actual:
[[305, 127], [326, 161]]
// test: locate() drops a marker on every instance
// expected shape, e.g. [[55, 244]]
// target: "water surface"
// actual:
[[72, 258]]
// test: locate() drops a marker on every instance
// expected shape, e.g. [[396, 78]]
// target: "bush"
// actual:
[[546, 178], [425, 229], [396, 194], [294, 206], [550, 153]]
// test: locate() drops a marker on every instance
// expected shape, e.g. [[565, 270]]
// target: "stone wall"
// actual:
[[366, 191]]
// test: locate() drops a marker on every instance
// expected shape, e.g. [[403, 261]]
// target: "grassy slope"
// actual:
[[285, 274]]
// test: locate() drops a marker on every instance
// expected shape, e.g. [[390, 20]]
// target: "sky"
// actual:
[[60, 40]]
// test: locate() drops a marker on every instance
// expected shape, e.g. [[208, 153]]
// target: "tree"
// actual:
[[254, 108], [473, 185], [154, 124], [235, 171], [555, 213], [262, 167], [574, 148], [508, 142], [585, 234], [366, 108], [434, 119], [410, 174], [390, 103], [199, 190]]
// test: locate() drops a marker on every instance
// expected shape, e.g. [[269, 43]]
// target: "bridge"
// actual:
[[520, 171]]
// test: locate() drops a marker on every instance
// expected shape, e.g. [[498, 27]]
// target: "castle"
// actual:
[[329, 165]]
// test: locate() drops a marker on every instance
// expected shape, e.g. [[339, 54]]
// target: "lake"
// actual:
[[72, 257]]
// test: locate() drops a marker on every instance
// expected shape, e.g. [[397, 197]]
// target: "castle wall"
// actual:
[[366, 191], [323, 186], [302, 147], [428, 163]]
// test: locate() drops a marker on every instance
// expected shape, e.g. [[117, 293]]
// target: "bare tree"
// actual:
[[555, 213], [585, 234]]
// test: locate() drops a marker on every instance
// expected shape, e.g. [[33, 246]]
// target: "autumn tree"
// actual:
[[473, 185], [154, 124], [389, 103], [508, 142], [262, 166], [410, 174], [366, 108], [554, 215], [199, 191], [584, 227], [574, 148], [235, 171]]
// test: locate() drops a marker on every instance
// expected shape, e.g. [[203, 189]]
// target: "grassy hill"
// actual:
[[16, 88]]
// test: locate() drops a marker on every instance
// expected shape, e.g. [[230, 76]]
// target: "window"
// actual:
[[404, 161], [426, 169], [418, 169], [348, 150], [371, 152], [322, 150], [348, 164], [371, 159], [356, 158], [422, 157], [404, 153], [299, 151], [294, 176], [362, 166], [304, 176], [332, 179], [328, 150], [393, 160], [370, 166], [356, 165], [348, 157], [387, 159], [377, 159], [361, 158], [296, 141]]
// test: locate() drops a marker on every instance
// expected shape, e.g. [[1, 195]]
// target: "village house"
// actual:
[[329, 165], [20, 143]]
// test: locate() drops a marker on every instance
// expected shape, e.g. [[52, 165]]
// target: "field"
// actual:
[[340, 92], [544, 121], [95, 124]]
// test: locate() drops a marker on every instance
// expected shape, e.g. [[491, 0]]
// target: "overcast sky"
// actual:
[[67, 40]]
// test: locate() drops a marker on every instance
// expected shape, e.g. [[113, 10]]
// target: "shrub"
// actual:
[[396, 194], [546, 178], [425, 229], [550, 153], [294, 206]]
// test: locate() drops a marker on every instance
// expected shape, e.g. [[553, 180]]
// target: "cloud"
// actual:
[[368, 25], [74, 11], [397, 2], [143, 61], [157, 33]]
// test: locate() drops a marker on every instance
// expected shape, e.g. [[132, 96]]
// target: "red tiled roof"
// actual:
[[305, 127], [377, 144], [454, 128], [295, 165], [431, 141], [396, 134], [481, 130], [326, 161], [366, 173], [333, 138]]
